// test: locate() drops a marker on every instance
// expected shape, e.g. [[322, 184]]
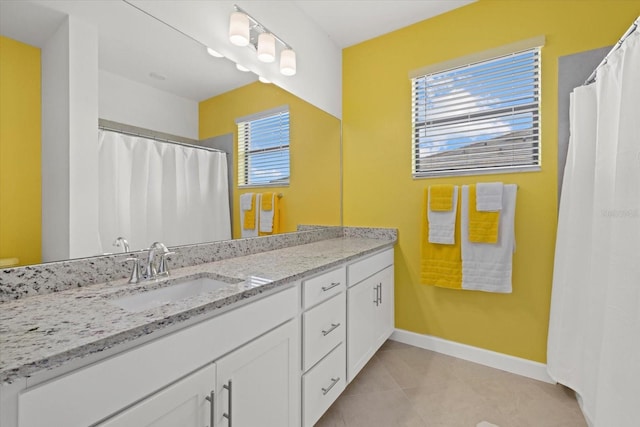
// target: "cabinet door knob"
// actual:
[[227, 415], [212, 405], [380, 293], [331, 286], [331, 329], [334, 381]]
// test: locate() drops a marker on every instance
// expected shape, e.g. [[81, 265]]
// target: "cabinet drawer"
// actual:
[[322, 385], [360, 270], [324, 328], [324, 286]]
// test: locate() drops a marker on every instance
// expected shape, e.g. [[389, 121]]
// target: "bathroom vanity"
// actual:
[[273, 343]]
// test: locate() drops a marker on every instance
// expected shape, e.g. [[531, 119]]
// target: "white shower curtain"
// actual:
[[154, 191], [594, 330]]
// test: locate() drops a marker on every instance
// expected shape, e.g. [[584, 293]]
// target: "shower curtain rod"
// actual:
[[632, 28], [168, 141]]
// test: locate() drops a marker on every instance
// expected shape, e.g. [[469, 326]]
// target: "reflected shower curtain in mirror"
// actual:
[[594, 330], [155, 191]]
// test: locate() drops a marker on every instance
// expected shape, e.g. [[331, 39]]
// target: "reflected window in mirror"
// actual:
[[263, 148]]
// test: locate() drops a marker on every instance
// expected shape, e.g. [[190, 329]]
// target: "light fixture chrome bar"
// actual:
[[262, 27], [632, 28]]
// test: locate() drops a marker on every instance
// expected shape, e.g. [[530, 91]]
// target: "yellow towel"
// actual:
[[250, 215], [267, 203], [441, 265], [441, 198], [276, 217], [483, 225]]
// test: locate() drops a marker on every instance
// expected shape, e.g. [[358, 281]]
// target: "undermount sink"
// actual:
[[168, 294]]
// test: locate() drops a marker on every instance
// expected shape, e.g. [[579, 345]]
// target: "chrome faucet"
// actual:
[[151, 271], [122, 242]]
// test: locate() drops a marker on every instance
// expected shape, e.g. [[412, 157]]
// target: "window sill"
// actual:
[[488, 171]]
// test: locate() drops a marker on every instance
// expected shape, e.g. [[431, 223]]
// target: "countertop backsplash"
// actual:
[[38, 279]]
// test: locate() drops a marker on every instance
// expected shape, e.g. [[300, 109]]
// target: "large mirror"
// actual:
[[152, 78]]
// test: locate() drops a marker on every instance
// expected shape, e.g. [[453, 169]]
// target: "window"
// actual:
[[481, 117], [263, 148]]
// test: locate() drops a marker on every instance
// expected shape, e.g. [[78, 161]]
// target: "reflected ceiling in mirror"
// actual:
[[132, 44]]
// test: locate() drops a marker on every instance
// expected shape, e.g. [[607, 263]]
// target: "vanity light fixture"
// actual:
[[245, 30]]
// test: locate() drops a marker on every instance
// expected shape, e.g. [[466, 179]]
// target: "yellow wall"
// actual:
[[313, 195], [20, 204], [379, 189]]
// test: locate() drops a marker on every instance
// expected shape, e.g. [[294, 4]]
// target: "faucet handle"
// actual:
[[163, 269], [135, 272]]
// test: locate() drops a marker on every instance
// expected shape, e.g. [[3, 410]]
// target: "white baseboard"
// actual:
[[515, 365]]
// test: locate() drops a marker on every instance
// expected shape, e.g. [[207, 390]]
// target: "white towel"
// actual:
[[489, 196], [245, 201], [442, 224], [244, 233], [487, 267], [266, 217]]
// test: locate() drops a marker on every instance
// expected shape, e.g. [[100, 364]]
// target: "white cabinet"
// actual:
[[324, 328], [383, 309], [187, 403], [245, 367], [370, 309], [258, 384], [323, 343], [322, 385]]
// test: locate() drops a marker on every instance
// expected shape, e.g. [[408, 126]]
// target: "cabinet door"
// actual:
[[360, 329], [258, 384], [183, 403], [383, 319]]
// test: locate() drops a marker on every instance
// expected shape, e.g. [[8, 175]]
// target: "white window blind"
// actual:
[[482, 117], [263, 148]]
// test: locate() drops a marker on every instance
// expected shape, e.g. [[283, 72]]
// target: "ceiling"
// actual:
[[354, 21], [135, 46]]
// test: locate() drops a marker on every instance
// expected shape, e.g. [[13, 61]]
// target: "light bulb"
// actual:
[[288, 62], [242, 68], [214, 53], [266, 47], [239, 29]]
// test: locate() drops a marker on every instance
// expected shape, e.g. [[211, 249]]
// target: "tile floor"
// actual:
[[407, 386]]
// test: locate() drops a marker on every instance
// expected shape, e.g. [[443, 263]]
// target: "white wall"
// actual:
[[70, 142], [132, 103]]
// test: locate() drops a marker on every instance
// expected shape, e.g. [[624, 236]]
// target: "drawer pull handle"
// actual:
[[334, 381], [331, 329], [212, 402], [227, 415], [377, 300], [331, 286]]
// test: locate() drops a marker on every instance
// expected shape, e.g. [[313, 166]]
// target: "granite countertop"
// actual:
[[44, 332]]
